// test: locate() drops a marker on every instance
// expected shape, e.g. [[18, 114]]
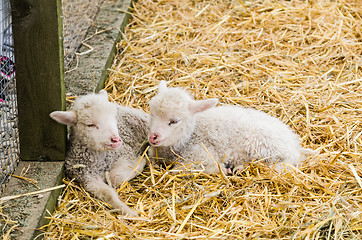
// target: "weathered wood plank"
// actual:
[[38, 46], [124, 16], [31, 212]]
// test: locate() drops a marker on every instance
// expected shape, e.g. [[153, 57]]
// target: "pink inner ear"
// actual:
[[202, 105], [65, 117]]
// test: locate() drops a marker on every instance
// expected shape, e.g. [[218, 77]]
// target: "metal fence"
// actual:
[[9, 143], [78, 15]]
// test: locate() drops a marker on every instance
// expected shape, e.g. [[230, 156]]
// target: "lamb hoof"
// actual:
[[132, 213], [123, 209], [126, 212], [238, 169]]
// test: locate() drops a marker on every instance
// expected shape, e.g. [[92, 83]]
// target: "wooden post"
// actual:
[[38, 48]]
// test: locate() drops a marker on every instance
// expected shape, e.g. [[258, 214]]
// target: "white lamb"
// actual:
[[95, 146], [232, 135]]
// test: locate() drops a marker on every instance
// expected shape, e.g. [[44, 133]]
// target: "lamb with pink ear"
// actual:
[[206, 136], [104, 137]]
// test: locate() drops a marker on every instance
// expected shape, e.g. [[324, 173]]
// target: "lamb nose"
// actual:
[[153, 136], [115, 139]]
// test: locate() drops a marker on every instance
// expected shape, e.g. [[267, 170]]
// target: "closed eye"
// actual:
[[173, 122], [92, 125]]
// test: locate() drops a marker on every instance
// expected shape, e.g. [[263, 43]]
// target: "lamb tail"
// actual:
[[307, 152]]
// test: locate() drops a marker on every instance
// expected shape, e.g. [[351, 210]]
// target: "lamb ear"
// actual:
[[202, 105], [104, 93], [64, 117], [162, 86]]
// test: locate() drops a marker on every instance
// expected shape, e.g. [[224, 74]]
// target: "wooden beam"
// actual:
[[38, 49], [125, 10]]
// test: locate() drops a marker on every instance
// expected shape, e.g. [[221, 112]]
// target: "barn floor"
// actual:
[[24, 214], [297, 60]]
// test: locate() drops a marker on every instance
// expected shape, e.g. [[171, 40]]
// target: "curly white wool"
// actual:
[[232, 135], [104, 137]]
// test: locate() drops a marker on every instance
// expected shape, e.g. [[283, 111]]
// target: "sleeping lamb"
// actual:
[[95, 146], [199, 133]]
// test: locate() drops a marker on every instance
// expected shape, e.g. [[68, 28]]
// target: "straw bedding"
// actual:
[[297, 60]]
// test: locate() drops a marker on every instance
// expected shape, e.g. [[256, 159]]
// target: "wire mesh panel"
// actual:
[[9, 143], [78, 15]]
